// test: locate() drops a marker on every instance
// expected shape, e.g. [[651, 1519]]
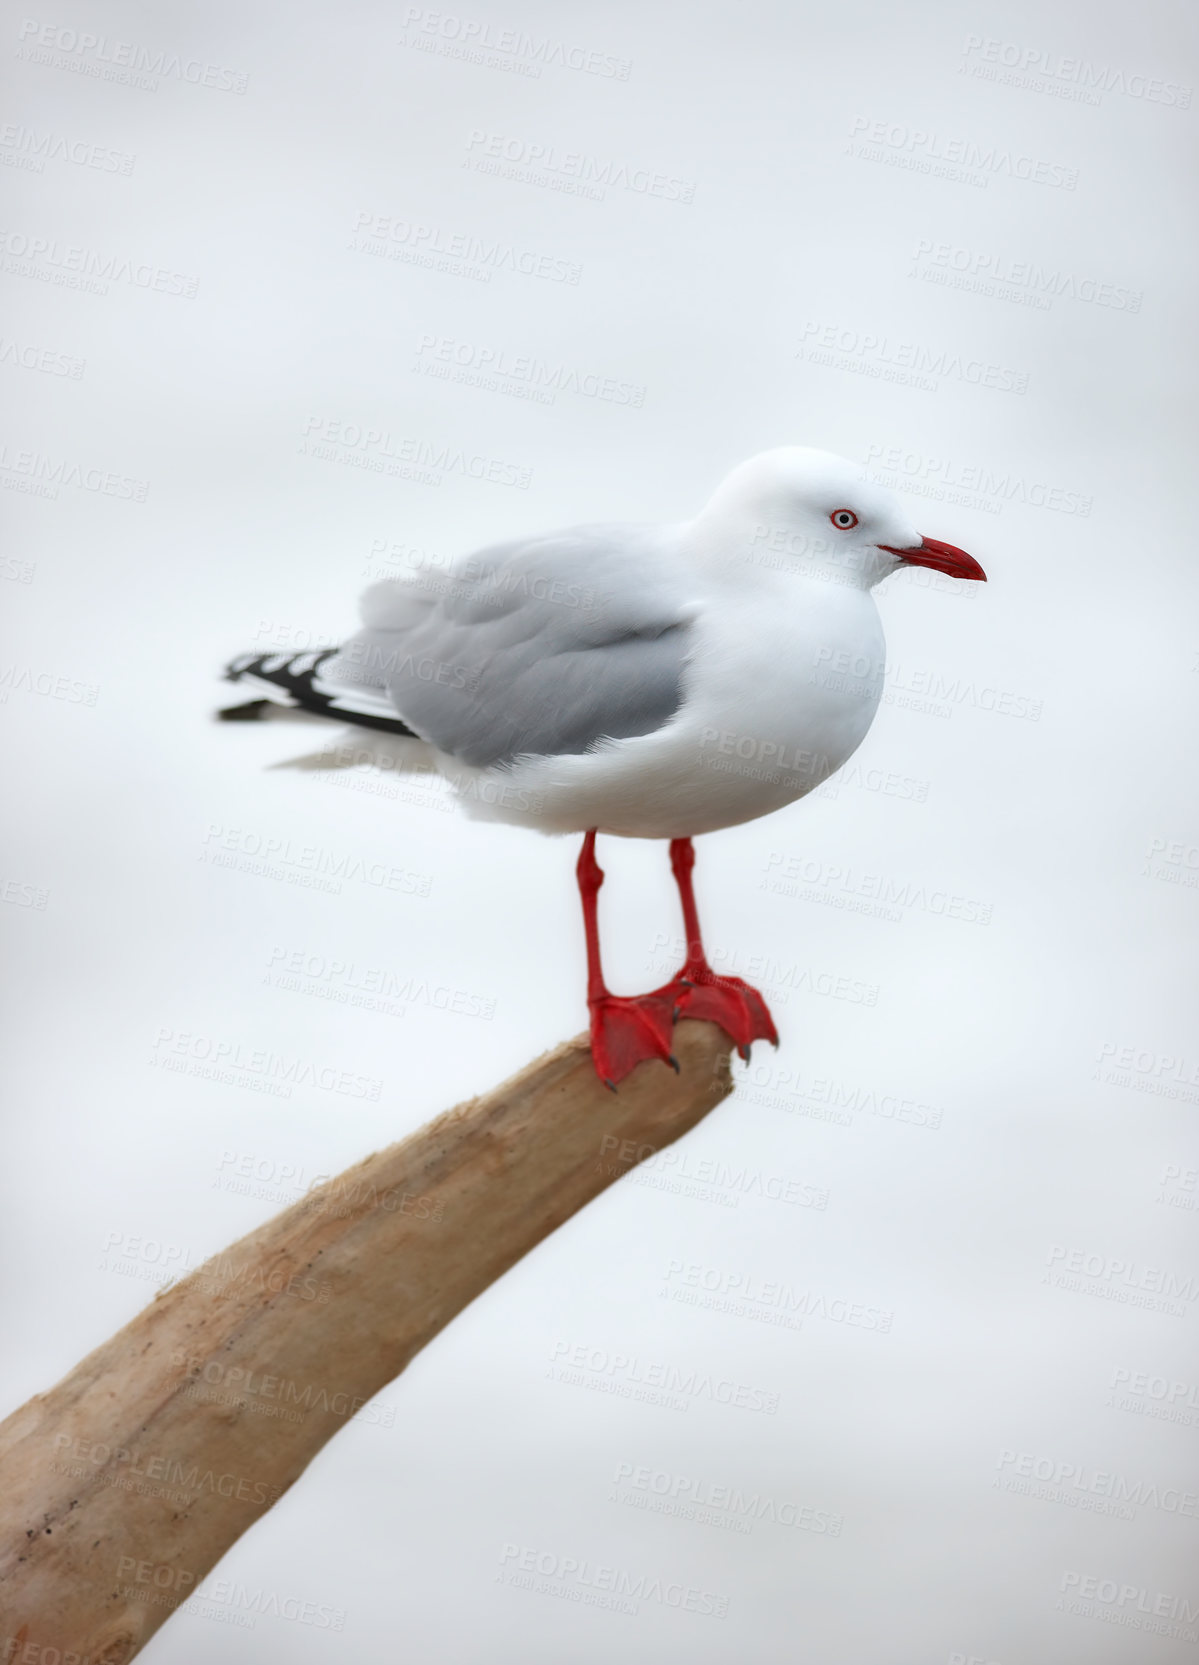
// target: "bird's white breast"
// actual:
[[781, 688]]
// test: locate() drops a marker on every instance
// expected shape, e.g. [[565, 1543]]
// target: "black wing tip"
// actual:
[[294, 676], [237, 668], [253, 711]]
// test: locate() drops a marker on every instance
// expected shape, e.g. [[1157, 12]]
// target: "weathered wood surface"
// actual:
[[123, 1485]]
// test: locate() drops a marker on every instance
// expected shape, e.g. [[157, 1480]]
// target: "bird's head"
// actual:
[[822, 513]]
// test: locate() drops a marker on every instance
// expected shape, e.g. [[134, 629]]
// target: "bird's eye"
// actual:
[[843, 519]]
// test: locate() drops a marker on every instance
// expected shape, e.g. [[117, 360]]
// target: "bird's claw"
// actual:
[[627, 1030], [737, 1007]]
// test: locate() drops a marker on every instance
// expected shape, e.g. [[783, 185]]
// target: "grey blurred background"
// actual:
[[253, 262]]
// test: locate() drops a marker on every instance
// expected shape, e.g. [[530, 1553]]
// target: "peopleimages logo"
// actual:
[[688, 1498], [22, 146], [1079, 1483], [1172, 861], [42, 475], [887, 359], [168, 1470], [119, 60], [45, 359], [269, 1603], [916, 147], [546, 1573], [706, 1177], [21, 895], [835, 884], [312, 866], [259, 1068], [727, 1290], [1086, 1272], [242, 1382], [1145, 1070], [417, 243], [939, 478], [77, 267], [996, 274], [1126, 1603], [511, 49], [377, 450], [630, 1377], [1140, 1386], [369, 988], [24, 679], [825, 1099], [520, 375], [1065, 77], [573, 171]]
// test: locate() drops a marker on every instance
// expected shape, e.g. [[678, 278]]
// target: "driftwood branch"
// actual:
[[125, 1484]]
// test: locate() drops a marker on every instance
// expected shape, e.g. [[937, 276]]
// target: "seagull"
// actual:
[[645, 681]]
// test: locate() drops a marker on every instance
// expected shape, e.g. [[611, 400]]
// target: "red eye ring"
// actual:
[[844, 519]]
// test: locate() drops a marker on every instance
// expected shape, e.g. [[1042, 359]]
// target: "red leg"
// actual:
[[624, 1030], [735, 1006]]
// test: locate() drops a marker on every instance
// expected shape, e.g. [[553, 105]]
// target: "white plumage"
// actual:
[[765, 603], [653, 682]]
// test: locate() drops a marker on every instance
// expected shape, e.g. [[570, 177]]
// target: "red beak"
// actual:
[[941, 557]]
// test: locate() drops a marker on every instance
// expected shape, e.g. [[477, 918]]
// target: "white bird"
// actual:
[[646, 681]]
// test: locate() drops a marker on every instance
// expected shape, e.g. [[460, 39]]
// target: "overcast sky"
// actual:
[[277, 278]]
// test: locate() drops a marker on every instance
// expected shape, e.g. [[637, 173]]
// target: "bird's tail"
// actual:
[[294, 683]]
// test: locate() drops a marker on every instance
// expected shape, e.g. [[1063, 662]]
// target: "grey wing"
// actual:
[[544, 646]]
